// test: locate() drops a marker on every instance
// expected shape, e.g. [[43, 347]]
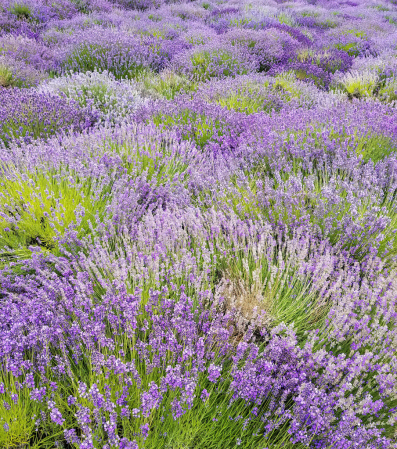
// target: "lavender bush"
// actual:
[[123, 55], [166, 84], [28, 115], [112, 100], [15, 73], [198, 222], [28, 50], [214, 60]]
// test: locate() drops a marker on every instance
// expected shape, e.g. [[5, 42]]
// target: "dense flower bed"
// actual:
[[198, 216]]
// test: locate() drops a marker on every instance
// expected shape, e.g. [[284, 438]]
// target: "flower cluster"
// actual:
[[27, 115], [111, 99]]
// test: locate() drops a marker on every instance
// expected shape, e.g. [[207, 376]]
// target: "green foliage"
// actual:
[[303, 75], [391, 19], [251, 97], [359, 84], [387, 91], [329, 24], [350, 48], [248, 103], [198, 127], [17, 418], [381, 8], [321, 58], [98, 92], [155, 18], [375, 147], [240, 22], [286, 19], [6, 77], [17, 77], [357, 33], [21, 11], [38, 207], [288, 86], [310, 14], [368, 84], [158, 162], [153, 33], [167, 84], [270, 283], [202, 62], [83, 6]]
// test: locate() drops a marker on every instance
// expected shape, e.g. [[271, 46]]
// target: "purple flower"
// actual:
[[55, 414], [214, 372], [145, 431], [71, 436], [204, 395]]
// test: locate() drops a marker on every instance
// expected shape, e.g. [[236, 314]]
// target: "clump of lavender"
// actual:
[[387, 91], [20, 10], [305, 93], [214, 60], [252, 94], [27, 115], [221, 18], [42, 11], [305, 72], [199, 35], [271, 283], [358, 84], [113, 100], [28, 50], [329, 60], [353, 42], [15, 73], [244, 93], [41, 206], [123, 55], [166, 84], [259, 44], [212, 128], [180, 348], [140, 5]]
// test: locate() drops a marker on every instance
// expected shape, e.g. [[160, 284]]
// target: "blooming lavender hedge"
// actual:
[[110, 99], [30, 115], [198, 222]]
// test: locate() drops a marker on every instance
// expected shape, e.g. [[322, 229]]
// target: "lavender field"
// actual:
[[198, 216]]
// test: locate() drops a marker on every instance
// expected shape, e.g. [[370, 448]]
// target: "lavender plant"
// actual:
[[120, 54], [28, 50], [210, 127], [38, 208], [167, 85], [214, 60], [358, 85], [27, 115], [246, 94], [15, 73], [111, 99]]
